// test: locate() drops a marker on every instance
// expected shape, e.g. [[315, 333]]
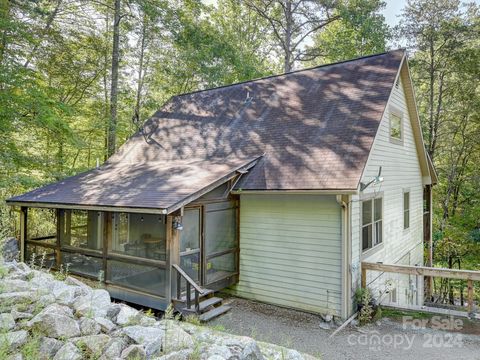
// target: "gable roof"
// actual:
[[315, 128]]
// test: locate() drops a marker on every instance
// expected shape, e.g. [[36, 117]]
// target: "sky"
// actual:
[[392, 10]]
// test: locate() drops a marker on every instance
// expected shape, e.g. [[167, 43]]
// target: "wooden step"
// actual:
[[192, 295], [210, 314], [204, 304]]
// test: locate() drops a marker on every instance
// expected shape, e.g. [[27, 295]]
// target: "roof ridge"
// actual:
[[289, 73]]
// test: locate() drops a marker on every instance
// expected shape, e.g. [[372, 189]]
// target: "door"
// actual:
[[190, 236]]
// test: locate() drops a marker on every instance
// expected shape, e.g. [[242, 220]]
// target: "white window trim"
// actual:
[[371, 197], [394, 111]]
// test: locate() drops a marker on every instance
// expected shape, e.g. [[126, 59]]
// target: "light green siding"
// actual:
[[290, 251]]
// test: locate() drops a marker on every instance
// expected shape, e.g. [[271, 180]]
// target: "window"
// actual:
[[372, 224], [406, 210], [396, 131]]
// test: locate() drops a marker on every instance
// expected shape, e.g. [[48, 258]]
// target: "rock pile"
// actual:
[[42, 317]]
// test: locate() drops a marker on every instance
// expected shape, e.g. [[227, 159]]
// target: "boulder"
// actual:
[[218, 352], [82, 288], [18, 315], [185, 354], [127, 315], [17, 356], [105, 325], [64, 294], [176, 338], [68, 352], [113, 311], [6, 322], [42, 280], [18, 297], [14, 339], [89, 326], [95, 304], [151, 338], [114, 348], [92, 344], [48, 348], [134, 352], [55, 325], [251, 351], [10, 249], [15, 285]]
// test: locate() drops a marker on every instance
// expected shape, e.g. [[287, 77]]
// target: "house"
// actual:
[[275, 189]]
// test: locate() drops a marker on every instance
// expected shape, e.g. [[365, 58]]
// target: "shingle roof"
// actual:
[[315, 127], [147, 185]]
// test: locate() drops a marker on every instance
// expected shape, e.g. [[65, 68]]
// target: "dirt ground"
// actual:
[[392, 338]]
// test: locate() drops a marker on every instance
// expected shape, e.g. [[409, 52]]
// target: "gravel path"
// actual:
[[302, 332]]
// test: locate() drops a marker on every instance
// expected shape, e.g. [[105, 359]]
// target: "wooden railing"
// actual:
[[190, 283], [468, 275]]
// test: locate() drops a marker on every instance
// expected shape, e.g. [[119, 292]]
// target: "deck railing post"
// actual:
[[197, 302], [179, 285], [364, 278], [470, 295], [189, 302]]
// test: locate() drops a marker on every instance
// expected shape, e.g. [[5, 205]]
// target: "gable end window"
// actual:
[[396, 127], [406, 210], [372, 223]]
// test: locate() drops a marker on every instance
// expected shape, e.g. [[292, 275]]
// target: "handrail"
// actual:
[[188, 279], [469, 275], [190, 283], [424, 270]]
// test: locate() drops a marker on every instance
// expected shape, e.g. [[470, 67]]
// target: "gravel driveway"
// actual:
[[388, 340]]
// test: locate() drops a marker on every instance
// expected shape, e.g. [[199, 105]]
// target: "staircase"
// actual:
[[200, 301]]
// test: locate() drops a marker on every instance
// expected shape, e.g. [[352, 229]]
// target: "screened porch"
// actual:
[[131, 254]]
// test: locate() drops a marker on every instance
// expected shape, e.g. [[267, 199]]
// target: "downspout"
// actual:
[[346, 256]]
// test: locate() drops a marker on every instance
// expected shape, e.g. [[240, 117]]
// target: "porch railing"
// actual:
[[190, 283], [469, 275]]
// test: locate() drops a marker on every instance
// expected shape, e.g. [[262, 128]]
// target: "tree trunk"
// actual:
[[136, 113], [112, 128], [288, 37], [431, 130], [4, 16], [105, 91]]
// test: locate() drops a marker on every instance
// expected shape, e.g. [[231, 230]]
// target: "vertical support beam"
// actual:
[[107, 240], [60, 232], [470, 296], [23, 231], [364, 278], [427, 228], [173, 256]]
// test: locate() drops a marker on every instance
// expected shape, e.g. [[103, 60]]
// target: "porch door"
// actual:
[[190, 240]]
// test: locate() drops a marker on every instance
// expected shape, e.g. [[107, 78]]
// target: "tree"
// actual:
[[361, 30], [435, 31], [292, 22]]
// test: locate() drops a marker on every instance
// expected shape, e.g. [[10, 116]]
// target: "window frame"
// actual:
[[406, 224], [397, 113], [373, 222]]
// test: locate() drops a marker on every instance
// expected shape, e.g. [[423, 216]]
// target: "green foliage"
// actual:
[[366, 311], [361, 30]]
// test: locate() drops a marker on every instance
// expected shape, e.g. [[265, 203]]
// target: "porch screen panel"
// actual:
[[82, 229], [221, 243], [142, 277], [42, 225], [40, 256], [83, 264], [190, 243], [139, 235]]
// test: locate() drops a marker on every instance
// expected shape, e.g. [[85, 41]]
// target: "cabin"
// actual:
[[275, 189]]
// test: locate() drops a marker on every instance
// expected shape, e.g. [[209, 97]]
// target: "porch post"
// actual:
[[428, 237], [173, 252], [23, 231]]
